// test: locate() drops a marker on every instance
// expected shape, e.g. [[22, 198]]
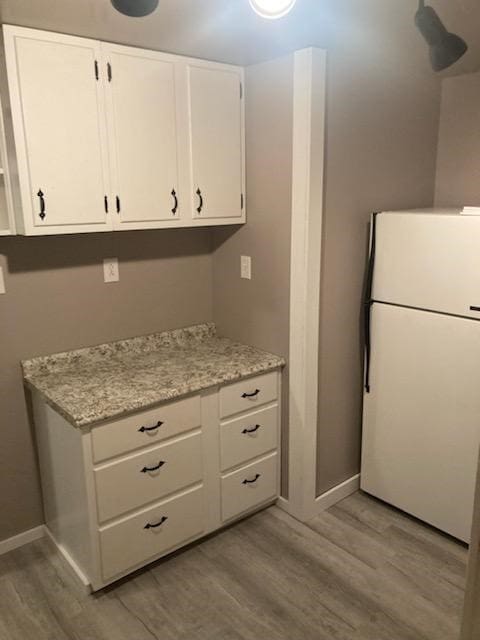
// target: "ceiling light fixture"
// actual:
[[445, 48], [135, 8], [272, 9]]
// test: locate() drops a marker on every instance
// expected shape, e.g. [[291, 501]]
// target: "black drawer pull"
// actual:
[[154, 526], [251, 395], [474, 308], [252, 430], [156, 468], [257, 476], [156, 426]]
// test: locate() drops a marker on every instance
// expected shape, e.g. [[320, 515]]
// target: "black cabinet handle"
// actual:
[[154, 526], [42, 214], [200, 206], [251, 395], [175, 202], [155, 426], [156, 468], [257, 476], [474, 308], [252, 430]]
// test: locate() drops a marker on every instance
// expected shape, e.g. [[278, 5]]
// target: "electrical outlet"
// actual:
[[246, 267], [2, 281], [110, 270]]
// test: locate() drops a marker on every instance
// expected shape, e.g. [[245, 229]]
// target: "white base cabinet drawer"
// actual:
[[249, 486], [151, 533], [146, 428], [248, 437], [148, 476], [248, 394]]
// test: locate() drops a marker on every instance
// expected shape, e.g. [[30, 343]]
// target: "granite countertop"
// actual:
[[98, 383]]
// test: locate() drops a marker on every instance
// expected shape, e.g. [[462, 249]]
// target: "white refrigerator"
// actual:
[[421, 412]]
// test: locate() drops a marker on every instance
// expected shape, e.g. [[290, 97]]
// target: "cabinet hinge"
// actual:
[[96, 69], [109, 71], [241, 90], [118, 204], [241, 201], [106, 204]]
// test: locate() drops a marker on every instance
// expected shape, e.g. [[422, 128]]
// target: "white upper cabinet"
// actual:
[[111, 137], [142, 124], [59, 125], [216, 133]]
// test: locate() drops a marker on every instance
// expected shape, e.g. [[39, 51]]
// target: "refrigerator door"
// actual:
[[428, 261], [421, 423]]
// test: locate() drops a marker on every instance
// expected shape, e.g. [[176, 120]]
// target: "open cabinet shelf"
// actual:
[[7, 221]]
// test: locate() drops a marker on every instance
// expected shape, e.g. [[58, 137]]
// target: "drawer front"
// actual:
[[133, 542], [129, 483], [249, 486], [248, 437], [145, 428], [248, 393]]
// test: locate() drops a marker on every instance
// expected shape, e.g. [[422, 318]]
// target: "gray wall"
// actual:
[[458, 160], [382, 122], [256, 311], [56, 300]]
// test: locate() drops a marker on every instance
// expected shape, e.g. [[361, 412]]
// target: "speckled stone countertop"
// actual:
[[98, 383]]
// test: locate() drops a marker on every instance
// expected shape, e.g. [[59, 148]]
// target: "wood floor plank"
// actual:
[[360, 571]]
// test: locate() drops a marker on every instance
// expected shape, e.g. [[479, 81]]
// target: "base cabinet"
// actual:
[[128, 491]]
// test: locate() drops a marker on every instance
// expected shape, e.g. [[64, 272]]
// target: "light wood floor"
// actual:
[[360, 571]]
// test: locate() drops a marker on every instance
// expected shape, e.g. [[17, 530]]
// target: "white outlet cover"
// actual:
[[246, 267], [2, 281], [110, 270]]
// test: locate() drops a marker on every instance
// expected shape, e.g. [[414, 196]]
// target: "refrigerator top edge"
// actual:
[[429, 212]]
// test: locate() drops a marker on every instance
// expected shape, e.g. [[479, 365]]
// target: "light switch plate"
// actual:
[[246, 267], [2, 281], [110, 270]]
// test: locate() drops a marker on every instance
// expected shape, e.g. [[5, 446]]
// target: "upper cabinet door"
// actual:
[[142, 125], [217, 142], [60, 134]]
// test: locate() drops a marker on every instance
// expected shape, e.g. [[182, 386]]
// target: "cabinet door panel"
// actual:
[[59, 130], [142, 122], [216, 141]]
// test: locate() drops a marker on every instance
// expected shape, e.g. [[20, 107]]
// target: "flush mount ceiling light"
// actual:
[[272, 9], [445, 48], [135, 8]]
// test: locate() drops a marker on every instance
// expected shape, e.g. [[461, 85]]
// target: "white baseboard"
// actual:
[[323, 502], [341, 491], [69, 560], [22, 538]]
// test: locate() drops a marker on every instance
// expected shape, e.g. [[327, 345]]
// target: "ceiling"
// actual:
[[229, 31]]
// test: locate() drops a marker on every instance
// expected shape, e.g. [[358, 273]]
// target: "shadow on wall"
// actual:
[[56, 252]]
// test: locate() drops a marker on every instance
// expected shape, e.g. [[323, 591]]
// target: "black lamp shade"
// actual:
[[135, 8], [445, 48]]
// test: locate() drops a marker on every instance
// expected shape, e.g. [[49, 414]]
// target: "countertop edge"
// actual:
[[277, 362]]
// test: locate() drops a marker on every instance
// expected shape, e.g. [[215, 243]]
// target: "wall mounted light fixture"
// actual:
[[272, 9], [445, 47], [135, 8]]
